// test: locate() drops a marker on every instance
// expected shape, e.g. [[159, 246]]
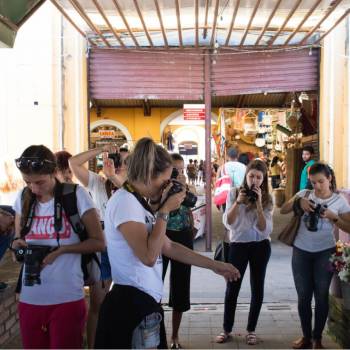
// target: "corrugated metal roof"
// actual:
[[169, 23]]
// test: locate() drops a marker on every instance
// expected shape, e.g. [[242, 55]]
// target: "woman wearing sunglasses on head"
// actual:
[[131, 315], [248, 217], [51, 308]]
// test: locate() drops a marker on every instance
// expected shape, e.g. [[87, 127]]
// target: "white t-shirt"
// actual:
[[323, 238], [127, 268], [96, 187], [236, 171], [62, 281], [245, 228]]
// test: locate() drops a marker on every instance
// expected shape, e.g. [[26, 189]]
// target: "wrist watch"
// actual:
[[163, 216]]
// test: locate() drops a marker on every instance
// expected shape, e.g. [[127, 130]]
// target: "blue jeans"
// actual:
[[147, 334], [312, 277]]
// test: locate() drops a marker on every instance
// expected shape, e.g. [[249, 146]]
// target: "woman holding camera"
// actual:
[[324, 209], [131, 315], [248, 217], [51, 309]]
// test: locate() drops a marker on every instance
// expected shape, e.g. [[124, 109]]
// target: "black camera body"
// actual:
[[311, 220], [251, 194], [190, 199], [174, 174], [116, 159], [32, 256]]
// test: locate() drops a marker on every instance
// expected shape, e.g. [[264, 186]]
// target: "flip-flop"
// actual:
[[222, 338], [251, 339]]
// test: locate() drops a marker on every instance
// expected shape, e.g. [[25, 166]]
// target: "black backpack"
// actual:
[[66, 199]]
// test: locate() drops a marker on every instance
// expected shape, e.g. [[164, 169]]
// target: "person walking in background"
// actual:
[[324, 210], [191, 172], [248, 217], [180, 230], [244, 158], [131, 315], [52, 311], [201, 178], [307, 154], [101, 189], [236, 171], [275, 171]]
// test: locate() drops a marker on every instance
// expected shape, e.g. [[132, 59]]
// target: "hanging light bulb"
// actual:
[[216, 45], [214, 61], [310, 52]]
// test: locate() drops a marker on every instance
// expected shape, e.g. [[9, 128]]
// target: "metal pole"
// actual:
[[207, 101]]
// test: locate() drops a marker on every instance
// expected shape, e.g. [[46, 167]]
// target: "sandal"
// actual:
[[222, 338], [251, 339], [175, 345]]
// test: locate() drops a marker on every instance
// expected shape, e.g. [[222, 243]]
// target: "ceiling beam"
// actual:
[[335, 4], [102, 13], [291, 13], [213, 31], [196, 10], [205, 31], [82, 13], [268, 22], [345, 14], [143, 23], [159, 14], [234, 15], [296, 30], [120, 11], [250, 22], [178, 18]]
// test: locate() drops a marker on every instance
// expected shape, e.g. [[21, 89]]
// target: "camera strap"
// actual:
[[128, 187], [32, 204], [58, 211]]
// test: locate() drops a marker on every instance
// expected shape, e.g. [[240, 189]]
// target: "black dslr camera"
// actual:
[[190, 199], [116, 159], [311, 220], [32, 256], [251, 194]]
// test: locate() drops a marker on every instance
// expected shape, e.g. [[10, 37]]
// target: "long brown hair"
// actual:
[[259, 165]]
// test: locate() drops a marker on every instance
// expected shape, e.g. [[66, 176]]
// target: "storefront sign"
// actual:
[[106, 134], [194, 111]]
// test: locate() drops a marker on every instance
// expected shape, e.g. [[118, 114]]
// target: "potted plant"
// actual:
[[340, 261]]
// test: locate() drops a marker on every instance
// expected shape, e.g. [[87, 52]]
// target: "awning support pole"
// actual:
[[207, 101]]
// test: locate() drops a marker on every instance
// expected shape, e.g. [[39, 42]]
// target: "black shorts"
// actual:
[[180, 274]]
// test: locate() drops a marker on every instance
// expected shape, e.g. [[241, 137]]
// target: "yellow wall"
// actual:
[[133, 119]]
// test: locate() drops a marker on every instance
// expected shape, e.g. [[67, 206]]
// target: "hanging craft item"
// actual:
[[260, 140], [250, 125], [238, 119]]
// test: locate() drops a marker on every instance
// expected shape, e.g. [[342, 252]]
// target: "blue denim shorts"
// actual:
[[106, 273], [147, 334]]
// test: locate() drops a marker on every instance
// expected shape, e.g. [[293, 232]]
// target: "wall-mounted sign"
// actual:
[[194, 111], [106, 134]]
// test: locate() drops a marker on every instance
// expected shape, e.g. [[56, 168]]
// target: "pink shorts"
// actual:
[[59, 326]]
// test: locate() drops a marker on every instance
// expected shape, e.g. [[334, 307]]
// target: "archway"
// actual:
[[114, 123]]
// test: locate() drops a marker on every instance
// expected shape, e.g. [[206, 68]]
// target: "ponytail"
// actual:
[[147, 161]]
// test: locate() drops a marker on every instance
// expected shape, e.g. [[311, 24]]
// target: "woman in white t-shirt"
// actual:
[[130, 316], [52, 310], [313, 246]]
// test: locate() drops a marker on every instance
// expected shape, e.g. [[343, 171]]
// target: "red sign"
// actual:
[[194, 112]]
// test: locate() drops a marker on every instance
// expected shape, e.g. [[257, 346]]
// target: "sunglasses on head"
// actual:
[[33, 163]]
